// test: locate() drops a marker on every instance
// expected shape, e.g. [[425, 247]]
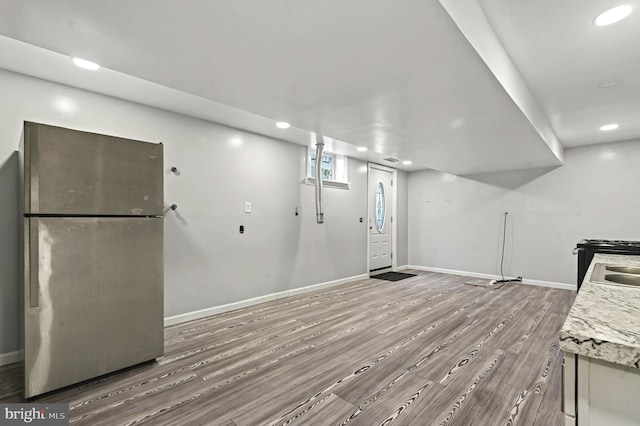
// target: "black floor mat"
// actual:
[[393, 276]]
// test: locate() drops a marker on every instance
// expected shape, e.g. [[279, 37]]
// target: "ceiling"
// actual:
[[421, 82], [564, 58]]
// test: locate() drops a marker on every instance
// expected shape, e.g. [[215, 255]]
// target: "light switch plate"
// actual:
[[247, 207]]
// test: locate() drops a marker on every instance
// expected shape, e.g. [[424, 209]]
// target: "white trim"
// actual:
[[551, 284], [538, 283], [343, 178], [394, 213], [11, 357], [453, 272], [328, 183], [17, 356], [382, 167], [202, 313]]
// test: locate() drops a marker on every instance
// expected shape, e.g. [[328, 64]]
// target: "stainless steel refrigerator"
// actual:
[[92, 255]]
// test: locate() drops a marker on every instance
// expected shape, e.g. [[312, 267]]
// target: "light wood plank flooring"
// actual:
[[421, 351]]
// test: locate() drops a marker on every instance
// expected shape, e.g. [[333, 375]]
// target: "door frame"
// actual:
[[394, 210]]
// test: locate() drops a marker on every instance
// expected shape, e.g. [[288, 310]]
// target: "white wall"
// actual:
[[402, 221], [207, 261], [456, 223]]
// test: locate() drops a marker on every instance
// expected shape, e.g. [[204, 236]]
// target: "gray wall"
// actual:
[[207, 261], [456, 222], [402, 221]]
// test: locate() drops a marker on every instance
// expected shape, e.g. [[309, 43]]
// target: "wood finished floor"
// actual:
[[421, 351]]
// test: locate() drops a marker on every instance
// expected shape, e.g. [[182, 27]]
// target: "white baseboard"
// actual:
[[551, 284], [10, 358], [562, 286], [202, 313]]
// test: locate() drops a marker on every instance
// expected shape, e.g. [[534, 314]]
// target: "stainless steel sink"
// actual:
[[623, 279], [624, 269], [628, 276]]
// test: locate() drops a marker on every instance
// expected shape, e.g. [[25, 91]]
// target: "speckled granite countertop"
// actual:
[[604, 321]]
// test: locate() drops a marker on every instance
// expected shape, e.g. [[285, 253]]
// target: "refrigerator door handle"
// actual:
[[34, 282]]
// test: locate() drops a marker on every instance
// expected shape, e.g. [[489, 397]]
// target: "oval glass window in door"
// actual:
[[380, 207]]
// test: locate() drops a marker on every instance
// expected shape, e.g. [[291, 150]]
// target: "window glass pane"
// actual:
[[328, 166], [380, 207]]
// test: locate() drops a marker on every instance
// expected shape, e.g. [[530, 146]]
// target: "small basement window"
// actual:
[[334, 169]]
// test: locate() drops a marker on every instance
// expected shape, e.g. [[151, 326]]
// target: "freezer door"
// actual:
[[93, 298], [69, 172]]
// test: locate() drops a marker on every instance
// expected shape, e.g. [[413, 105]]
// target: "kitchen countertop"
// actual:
[[604, 321]]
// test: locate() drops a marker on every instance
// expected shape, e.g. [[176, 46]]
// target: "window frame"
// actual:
[[340, 170]]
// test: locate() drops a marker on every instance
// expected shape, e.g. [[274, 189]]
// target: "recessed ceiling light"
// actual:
[[83, 63], [406, 162], [282, 125], [361, 148], [608, 127], [612, 16]]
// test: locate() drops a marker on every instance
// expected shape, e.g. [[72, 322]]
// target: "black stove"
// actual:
[[585, 249], [609, 243]]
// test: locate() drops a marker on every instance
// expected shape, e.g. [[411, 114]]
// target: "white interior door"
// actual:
[[380, 219]]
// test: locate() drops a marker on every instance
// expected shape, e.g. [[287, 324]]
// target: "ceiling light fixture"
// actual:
[[608, 127], [406, 162], [361, 148], [83, 63], [282, 125], [612, 16]]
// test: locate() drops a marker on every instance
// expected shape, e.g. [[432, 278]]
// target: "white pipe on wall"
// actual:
[[319, 150]]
